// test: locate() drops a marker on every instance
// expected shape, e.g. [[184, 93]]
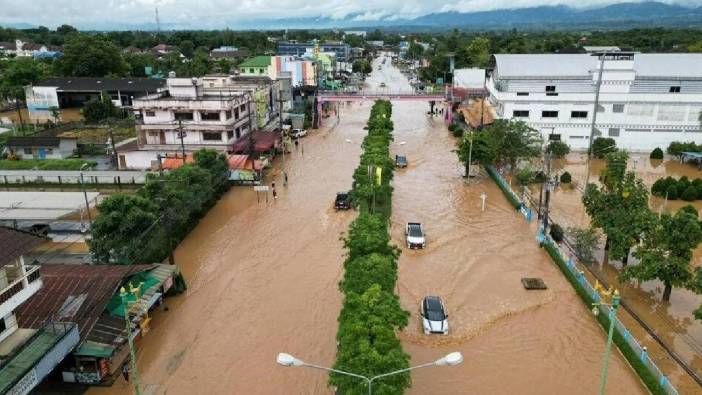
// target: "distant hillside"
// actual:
[[613, 16]]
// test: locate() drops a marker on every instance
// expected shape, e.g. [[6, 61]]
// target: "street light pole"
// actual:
[[594, 116], [451, 359], [181, 134], [132, 354], [612, 317]]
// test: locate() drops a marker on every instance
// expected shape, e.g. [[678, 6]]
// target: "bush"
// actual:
[[558, 149], [584, 243], [556, 233], [566, 178], [456, 129], [656, 154], [676, 148], [603, 145], [672, 192], [525, 176], [690, 209], [659, 187], [689, 194], [683, 183]]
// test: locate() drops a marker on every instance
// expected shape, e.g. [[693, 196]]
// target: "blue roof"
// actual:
[[696, 155]]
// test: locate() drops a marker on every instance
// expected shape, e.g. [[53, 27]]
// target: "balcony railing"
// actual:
[[32, 274]]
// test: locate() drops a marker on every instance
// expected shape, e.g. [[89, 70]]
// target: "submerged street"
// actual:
[[263, 278]]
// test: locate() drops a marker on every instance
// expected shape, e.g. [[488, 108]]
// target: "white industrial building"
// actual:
[[646, 100]]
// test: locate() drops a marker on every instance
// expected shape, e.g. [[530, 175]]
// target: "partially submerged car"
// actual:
[[434, 317], [400, 161], [343, 201], [414, 235], [296, 133]]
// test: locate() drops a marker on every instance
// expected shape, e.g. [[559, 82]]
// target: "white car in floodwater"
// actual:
[[434, 317], [414, 235]]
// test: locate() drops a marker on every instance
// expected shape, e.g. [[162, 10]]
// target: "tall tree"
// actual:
[[90, 56], [19, 73], [666, 251], [619, 207]]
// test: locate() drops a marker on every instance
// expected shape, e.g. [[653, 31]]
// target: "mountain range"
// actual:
[[616, 16]]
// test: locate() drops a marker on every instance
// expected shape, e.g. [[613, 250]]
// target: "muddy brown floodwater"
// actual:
[[263, 279], [672, 321]]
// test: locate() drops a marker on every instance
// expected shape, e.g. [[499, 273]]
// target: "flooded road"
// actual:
[[263, 278], [513, 340]]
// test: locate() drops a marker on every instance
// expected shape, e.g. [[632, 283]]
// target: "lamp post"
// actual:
[[451, 359], [612, 316], [123, 294]]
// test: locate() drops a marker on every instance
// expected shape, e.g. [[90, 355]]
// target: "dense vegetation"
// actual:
[[676, 148], [683, 188], [146, 227], [371, 312]]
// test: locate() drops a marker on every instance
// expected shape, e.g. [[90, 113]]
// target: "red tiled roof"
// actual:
[[14, 243], [92, 286], [171, 163]]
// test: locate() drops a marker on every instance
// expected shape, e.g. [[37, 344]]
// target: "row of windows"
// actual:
[[548, 114], [205, 116], [551, 91]]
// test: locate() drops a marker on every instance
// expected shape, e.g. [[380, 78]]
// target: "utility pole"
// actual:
[[132, 353], [112, 142], [181, 135], [594, 116], [548, 191], [282, 134]]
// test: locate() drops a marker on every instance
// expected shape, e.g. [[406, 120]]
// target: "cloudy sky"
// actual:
[[227, 13]]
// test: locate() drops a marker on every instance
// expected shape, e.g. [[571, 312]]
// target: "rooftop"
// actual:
[[39, 141], [646, 65], [75, 293], [86, 84], [41, 205], [14, 243], [258, 61]]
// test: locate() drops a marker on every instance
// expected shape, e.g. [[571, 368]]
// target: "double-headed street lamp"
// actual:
[[451, 359], [612, 318]]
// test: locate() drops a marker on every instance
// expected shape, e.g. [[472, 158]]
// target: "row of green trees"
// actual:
[[672, 189], [662, 244], [371, 313], [145, 227], [676, 148]]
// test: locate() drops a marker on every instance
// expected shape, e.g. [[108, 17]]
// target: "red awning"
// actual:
[[263, 142], [242, 162]]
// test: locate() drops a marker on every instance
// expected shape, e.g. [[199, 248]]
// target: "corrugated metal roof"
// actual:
[[63, 283], [469, 78], [668, 65], [86, 84], [14, 243], [258, 61]]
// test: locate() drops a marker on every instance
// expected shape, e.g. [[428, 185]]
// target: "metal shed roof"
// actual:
[[41, 205], [84, 84]]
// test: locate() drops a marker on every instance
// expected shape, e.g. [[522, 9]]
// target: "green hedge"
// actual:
[[45, 164], [505, 189], [371, 313], [634, 360]]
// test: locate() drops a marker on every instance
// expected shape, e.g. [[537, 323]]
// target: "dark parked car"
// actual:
[[400, 161], [343, 201]]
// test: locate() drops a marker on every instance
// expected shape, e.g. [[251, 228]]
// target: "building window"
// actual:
[[209, 116], [520, 113], [550, 88], [212, 136], [236, 113], [228, 114], [251, 71], [522, 93], [549, 114], [230, 134], [3, 326], [618, 108], [154, 134], [674, 89], [27, 151], [613, 132], [578, 114], [184, 116], [149, 114]]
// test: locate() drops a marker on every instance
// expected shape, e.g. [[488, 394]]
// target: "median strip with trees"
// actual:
[[371, 313]]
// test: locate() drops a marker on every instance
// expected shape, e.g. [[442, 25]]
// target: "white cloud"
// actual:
[[218, 13]]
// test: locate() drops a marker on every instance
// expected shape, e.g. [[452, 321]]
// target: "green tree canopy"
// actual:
[[90, 56], [666, 252]]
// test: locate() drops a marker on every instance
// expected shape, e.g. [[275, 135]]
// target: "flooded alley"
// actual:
[[263, 278]]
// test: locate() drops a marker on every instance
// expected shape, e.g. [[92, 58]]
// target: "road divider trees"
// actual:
[[371, 313]]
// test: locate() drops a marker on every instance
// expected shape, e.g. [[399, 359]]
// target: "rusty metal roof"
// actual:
[[75, 293], [14, 243]]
